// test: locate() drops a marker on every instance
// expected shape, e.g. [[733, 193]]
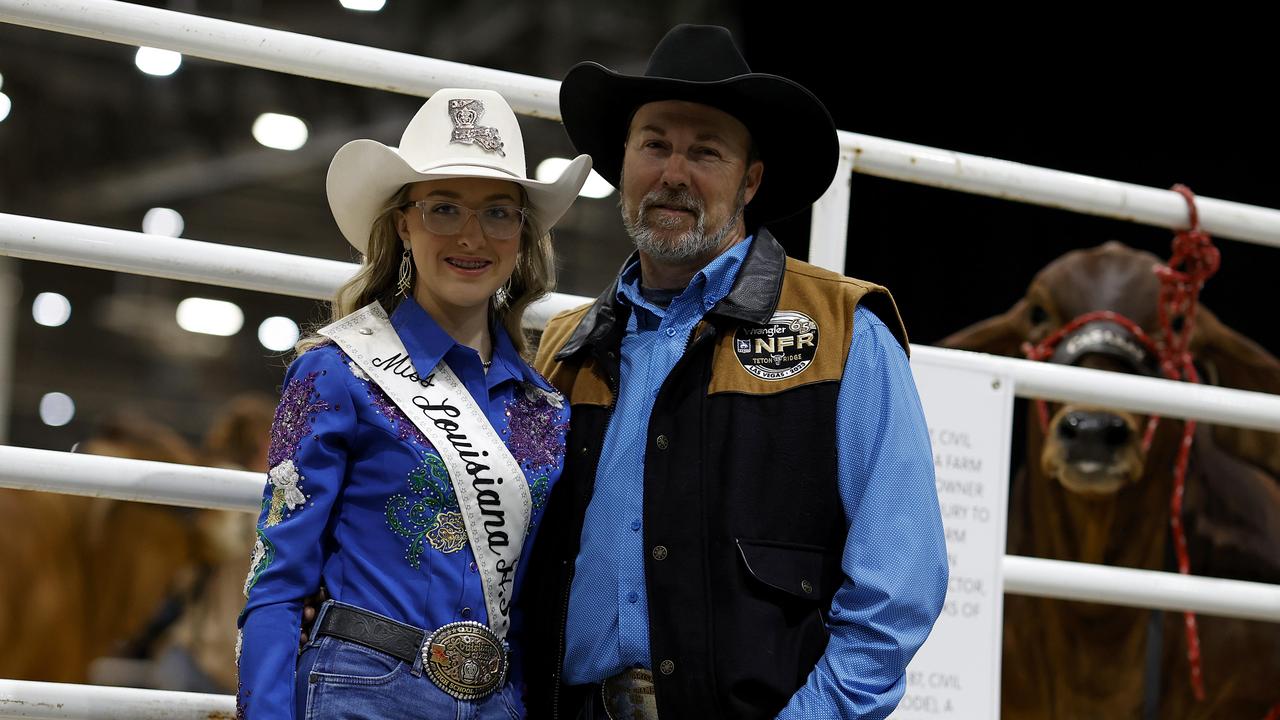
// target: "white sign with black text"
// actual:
[[970, 414]]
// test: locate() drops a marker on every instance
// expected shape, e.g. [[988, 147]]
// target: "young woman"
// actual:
[[413, 447]]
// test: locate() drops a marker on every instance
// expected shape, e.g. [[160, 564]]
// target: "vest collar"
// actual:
[[752, 301]]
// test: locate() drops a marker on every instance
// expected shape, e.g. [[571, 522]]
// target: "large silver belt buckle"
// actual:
[[465, 659], [629, 696]]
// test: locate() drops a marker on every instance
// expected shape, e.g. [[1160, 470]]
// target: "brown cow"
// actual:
[[205, 634], [84, 575], [44, 596], [1090, 493], [85, 580]]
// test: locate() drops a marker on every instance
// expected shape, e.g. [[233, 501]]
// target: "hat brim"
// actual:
[[364, 174], [792, 130]]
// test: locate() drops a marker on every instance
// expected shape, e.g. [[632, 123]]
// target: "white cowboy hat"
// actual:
[[456, 133]]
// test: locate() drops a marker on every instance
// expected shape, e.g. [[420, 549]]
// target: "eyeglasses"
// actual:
[[499, 222]]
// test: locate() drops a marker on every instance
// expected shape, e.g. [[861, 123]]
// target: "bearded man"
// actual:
[[747, 525]]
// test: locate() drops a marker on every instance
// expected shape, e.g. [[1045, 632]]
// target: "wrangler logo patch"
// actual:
[[781, 348]]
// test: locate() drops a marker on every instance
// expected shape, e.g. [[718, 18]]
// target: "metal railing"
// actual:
[[214, 488], [296, 275], [1023, 183], [28, 699]]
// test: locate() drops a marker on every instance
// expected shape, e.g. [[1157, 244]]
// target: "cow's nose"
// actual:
[[1092, 435]]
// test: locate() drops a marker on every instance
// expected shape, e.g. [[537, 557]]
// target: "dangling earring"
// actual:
[[405, 282], [502, 295]]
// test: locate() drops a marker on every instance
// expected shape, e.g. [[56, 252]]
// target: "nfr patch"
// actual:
[[779, 349]]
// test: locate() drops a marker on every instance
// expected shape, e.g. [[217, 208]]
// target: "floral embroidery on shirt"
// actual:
[[357, 370], [264, 552], [534, 393], [450, 534], [538, 491], [384, 406], [403, 428], [299, 404], [538, 495], [242, 702], [535, 431], [429, 513], [285, 480]]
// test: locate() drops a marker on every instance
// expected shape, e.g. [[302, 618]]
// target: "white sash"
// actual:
[[491, 488]]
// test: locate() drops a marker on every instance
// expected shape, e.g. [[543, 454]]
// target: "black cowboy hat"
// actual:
[[793, 133]]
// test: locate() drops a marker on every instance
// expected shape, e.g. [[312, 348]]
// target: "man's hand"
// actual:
[[310, 609]]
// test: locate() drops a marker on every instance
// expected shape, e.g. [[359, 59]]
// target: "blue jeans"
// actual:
[[341, 680]]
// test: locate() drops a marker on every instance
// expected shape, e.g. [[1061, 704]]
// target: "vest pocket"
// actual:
[[796, 569]]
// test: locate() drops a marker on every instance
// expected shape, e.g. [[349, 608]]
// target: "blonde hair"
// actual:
[[532, 278]]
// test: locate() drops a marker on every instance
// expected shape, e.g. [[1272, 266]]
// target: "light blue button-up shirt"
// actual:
[[895, 548], [608, 625]]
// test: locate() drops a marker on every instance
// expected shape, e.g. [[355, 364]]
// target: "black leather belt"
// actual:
[[464, 659], [396, 639]]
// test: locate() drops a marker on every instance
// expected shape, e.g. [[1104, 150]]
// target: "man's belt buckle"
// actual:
[[629, 696], [465, 659]]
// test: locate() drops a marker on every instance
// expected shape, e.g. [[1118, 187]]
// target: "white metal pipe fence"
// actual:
[[26, 699], [1054, 188], [1141, 588], [1062, 383], [175, 258], [285, 52], [296, 275], [127, 479], [200, 487], [1027, 576], [830, 219], [126, 251]]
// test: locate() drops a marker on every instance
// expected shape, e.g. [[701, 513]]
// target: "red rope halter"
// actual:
[[1194, 260]]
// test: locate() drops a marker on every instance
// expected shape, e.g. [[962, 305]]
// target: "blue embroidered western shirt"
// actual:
[[886, 485], [358, 499]]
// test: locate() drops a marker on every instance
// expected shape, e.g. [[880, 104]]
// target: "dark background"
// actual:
[[1090, 94]]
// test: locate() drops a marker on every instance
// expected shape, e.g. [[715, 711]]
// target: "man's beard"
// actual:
[[650, 238]]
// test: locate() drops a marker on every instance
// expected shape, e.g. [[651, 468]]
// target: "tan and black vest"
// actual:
[[743, 522]]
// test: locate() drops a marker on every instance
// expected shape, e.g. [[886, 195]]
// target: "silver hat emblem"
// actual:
[[465, 113]]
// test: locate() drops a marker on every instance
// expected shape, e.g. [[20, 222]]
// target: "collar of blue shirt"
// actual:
[[708, 286], [428, 344]]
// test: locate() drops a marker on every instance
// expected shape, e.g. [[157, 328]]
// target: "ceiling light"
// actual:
[[595, 187], [51, 309], [278, 333], [210, 317], [5, 105], [363, 5], [282, 132], [57, 409], [162, 221], [154, 61]]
